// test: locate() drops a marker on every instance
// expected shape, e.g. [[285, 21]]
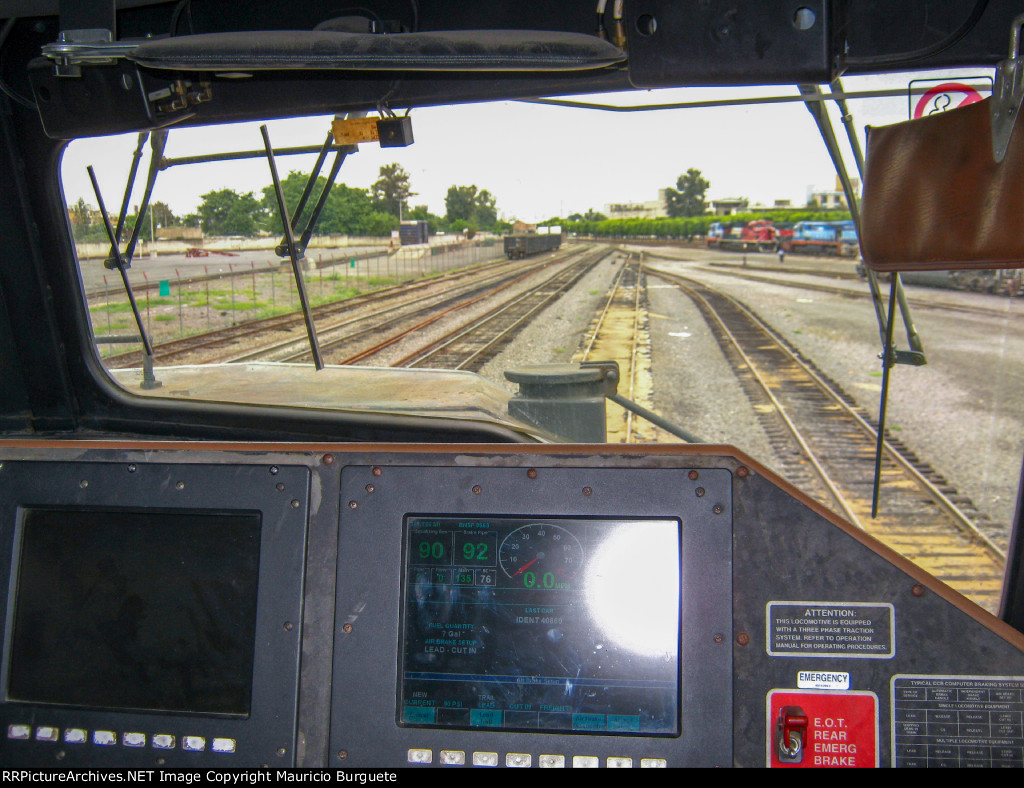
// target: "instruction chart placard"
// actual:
[[958, 721]]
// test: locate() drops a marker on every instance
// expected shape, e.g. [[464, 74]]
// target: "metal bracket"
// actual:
[[1007, 94], [609, 375], [911, 358], [75, 48]]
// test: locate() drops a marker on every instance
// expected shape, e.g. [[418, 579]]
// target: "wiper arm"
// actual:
[[813, 95], [123, 216], [339, 158], [119, 262], [157, 144], [300, 283]]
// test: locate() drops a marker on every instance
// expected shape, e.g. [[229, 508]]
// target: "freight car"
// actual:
[[530, 243]]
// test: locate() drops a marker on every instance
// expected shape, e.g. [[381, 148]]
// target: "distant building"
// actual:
[[523, 227], [653, 209], [179, 233], [834, 200], [778, 205], [727, 206]]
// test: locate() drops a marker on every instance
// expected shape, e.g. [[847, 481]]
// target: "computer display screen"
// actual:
[[545, 624], [135, 610]]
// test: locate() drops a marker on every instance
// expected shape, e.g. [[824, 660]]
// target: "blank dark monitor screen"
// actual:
[[136, 610]]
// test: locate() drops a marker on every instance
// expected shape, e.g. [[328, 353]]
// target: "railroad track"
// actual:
[[336, 339], [620, 333], [476, 342], [826, 445], [223, 345]]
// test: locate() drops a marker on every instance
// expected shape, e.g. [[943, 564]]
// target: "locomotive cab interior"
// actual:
[[313, 558]]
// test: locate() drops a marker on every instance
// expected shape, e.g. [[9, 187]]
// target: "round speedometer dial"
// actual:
[[541, 556]]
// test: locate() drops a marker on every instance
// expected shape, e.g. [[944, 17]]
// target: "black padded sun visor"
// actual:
[[469, 50]]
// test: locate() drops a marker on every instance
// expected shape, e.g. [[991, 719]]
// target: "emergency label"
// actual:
[[958, 721], [815, 730], [861, 630], [819, 679]]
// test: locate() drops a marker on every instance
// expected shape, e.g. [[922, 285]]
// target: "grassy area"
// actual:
[[198, 307]]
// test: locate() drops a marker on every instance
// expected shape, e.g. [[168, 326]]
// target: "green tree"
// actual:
[[81, 215], [226, 212], [391, 191], [347, 210], [163, 215], [434, 222], [687, 199], [478, 208]]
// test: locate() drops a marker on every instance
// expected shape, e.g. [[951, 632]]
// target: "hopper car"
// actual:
[[527, 244]]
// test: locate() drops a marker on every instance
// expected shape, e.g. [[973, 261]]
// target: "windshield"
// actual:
[[710, 253]]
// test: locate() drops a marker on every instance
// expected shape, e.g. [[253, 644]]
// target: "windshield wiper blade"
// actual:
[[119, 262], [300, 283], [890, 356]]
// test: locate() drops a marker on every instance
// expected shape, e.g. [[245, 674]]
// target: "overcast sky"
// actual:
[[538, 161]]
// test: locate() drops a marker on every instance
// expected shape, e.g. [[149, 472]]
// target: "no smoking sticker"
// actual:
[[932, 96], [810, 729]]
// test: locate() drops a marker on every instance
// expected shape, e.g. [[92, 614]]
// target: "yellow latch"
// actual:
[[352, 131]]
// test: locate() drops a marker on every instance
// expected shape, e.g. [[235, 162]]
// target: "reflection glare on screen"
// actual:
[[632, 588]]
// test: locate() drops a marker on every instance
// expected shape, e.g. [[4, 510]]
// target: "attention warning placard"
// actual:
[[863, 630]]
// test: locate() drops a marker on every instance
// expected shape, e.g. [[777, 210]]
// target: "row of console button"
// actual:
[[524, 760], [159, 741]]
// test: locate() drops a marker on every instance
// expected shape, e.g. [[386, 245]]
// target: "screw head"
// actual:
[[743, 471], [743, 638], [694, 475], [327, 459]]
